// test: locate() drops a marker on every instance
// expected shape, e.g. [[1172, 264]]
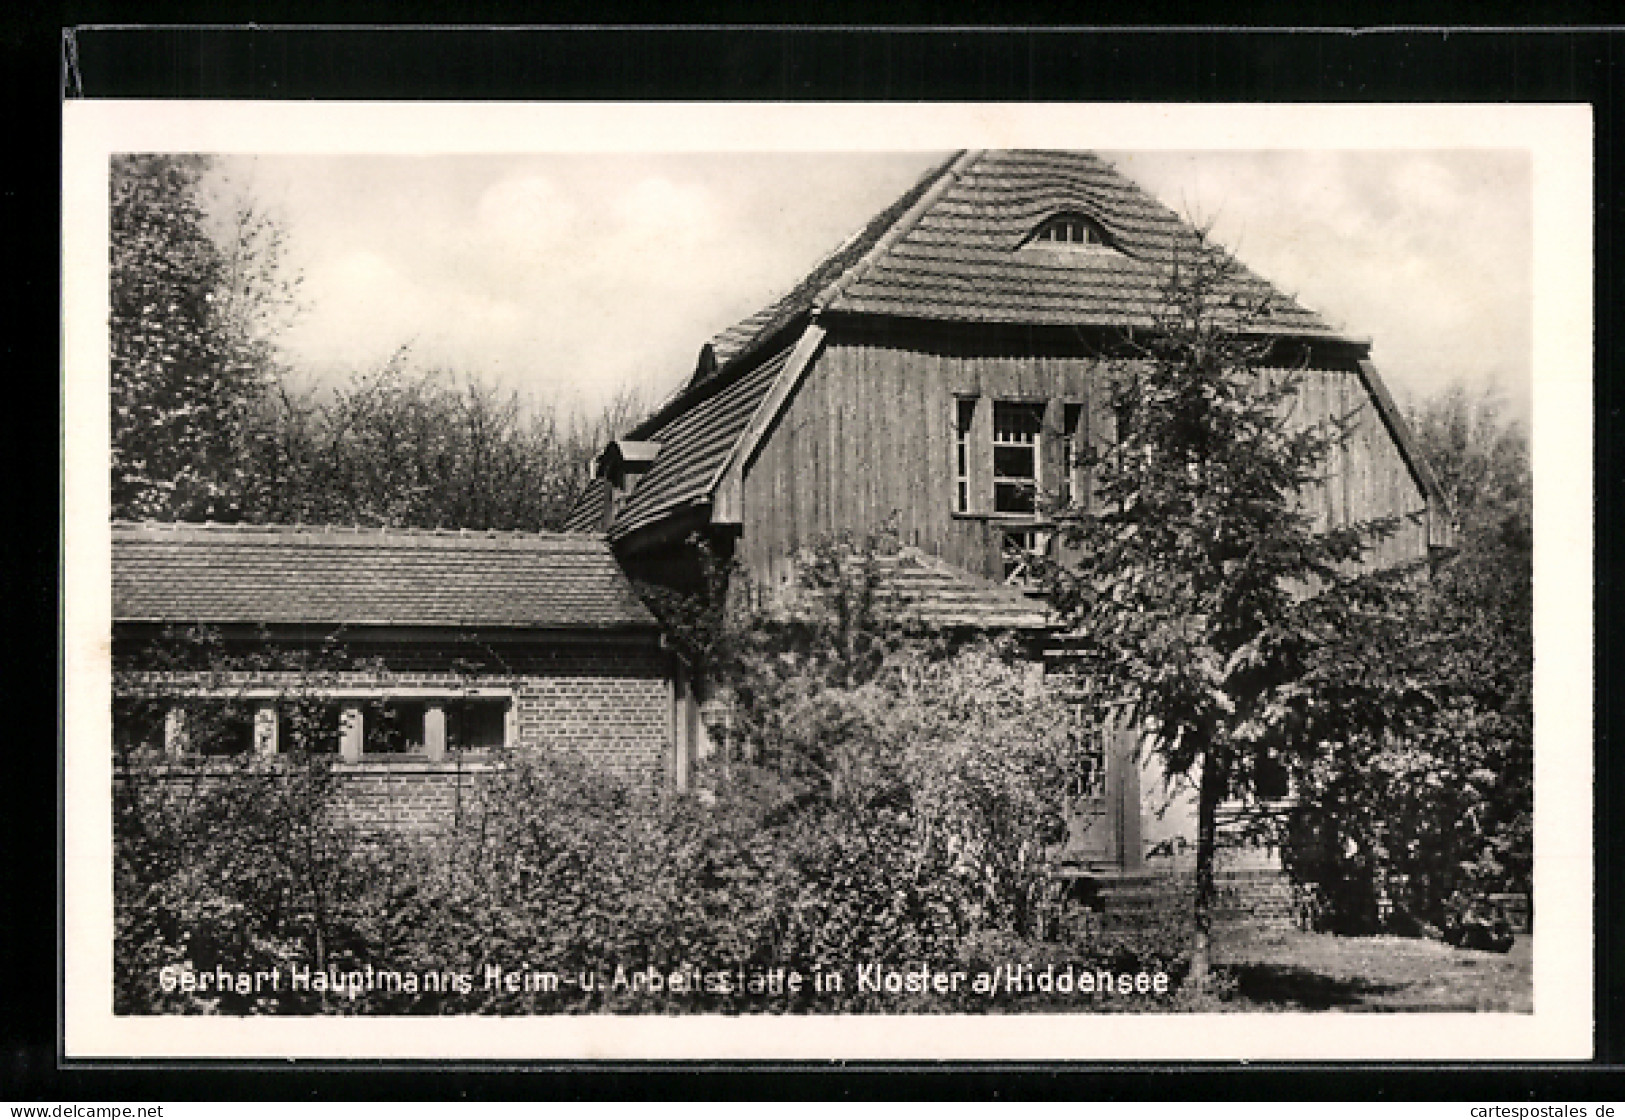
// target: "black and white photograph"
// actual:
[[828, 581]]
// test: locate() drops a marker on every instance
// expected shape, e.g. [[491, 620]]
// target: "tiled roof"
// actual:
[[587, 515], [919, 590], [934, 593], [693, 444], [955, 247], [965, 255], [767, 322], [295, 575]]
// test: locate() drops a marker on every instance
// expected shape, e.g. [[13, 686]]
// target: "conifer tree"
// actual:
[[1197, 549]]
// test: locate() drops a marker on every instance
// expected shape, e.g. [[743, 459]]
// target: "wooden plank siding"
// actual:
[[1366, 478], [871, 434]]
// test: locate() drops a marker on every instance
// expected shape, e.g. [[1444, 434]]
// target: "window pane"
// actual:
[[394, 728], [1015, 462], [1013, 497], [476, 725]]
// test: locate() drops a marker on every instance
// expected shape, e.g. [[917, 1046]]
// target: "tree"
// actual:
[[1198, 550], [190, 350], [407, 447], [1426, 803]]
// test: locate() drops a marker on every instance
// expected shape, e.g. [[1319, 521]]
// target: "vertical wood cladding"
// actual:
[[871, 434]]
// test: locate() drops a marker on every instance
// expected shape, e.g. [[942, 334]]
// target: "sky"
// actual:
[[571, 278]]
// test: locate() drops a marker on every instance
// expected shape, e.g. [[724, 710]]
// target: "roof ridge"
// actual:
[[323, 529], [942, 179], [776, 314]]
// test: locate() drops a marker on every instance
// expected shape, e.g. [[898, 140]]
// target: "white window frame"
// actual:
[[964, 452], [1071, 231], [267, 720], [1031, 441]]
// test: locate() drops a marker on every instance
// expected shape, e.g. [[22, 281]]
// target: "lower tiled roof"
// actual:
[[587, 515], [293, 575], [693, 445], [918, 590]]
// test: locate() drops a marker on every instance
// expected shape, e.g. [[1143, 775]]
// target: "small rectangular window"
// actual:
[[394, 727]]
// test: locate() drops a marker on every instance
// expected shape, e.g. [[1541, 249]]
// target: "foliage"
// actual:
[[1198, 548], [1426, 802], [208, 424], [425, 449], [902, 815], [188, 340]]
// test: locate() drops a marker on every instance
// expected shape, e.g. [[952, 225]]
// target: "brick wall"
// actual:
[[409, 797], [612, 706], [405, 797], [1258, 898]]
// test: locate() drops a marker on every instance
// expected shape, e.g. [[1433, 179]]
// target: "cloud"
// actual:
[[525, 215], [559, 273]]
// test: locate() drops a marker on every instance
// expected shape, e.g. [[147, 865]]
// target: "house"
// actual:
[[939, 372], [423, 654]]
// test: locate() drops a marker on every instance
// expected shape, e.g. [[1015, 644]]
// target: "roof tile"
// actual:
[[278, 574], [693, 445], [955, 247]]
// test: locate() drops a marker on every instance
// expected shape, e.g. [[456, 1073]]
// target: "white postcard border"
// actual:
[[1559, 140]]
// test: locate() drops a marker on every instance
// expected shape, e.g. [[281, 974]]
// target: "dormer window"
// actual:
[[624, 462], [1070, 229]]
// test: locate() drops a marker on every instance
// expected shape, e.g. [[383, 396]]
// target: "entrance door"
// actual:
[[1103, 805], [1091, 829]]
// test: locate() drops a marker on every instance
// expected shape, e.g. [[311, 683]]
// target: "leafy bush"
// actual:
[[1423, 795], [242, 865], [896, 802]]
